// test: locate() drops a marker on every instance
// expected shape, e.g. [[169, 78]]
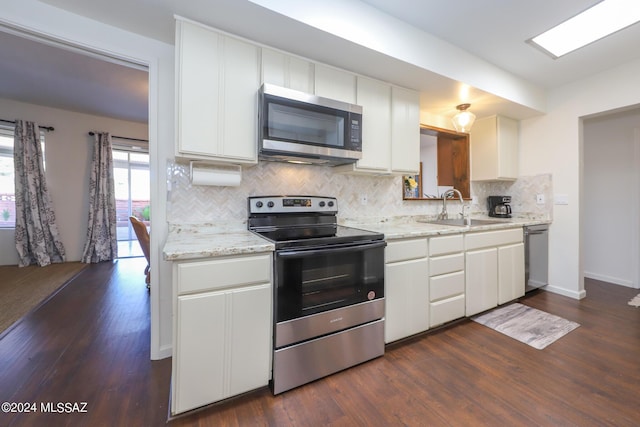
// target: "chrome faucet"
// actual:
[[444, 214]]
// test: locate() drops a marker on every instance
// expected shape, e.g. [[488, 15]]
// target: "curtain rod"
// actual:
[[124, 137], [47, 128]]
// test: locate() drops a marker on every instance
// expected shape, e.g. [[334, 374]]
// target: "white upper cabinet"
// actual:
[[405, 131], [217, 79], [288, 71], [390, 129], [375, 98], [335, 84], [494, 149]]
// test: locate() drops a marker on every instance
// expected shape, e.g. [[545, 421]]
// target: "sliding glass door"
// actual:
[[132, 187]]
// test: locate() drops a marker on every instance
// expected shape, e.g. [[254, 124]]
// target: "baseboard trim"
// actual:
[[566, 292], [610, 279], [162, 353]]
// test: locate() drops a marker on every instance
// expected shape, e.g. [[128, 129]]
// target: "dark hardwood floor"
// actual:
[[90, 343]]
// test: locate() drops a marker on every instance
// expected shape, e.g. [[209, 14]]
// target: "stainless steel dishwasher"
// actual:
[[536, 253]]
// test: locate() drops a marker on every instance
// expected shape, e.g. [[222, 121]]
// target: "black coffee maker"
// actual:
[[499, 206]]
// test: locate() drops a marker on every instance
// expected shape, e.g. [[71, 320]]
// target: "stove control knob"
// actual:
[[258, 204], [322, 204], [270, 204], [330, 204]]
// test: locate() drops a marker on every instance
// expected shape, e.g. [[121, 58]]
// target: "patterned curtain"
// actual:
[[37, 239], [101, 244]]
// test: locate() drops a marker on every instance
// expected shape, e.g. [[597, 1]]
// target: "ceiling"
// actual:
[[43, 74], [493, 30]]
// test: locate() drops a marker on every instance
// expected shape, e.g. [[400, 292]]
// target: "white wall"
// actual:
[[38, 18], [68, 153], [553, 144], [611, 198]]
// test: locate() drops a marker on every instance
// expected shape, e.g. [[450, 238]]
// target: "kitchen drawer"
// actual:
[[403, 250], [446, 264], [445, 244], [493, 238], [222, 273], [446, 286], [446, 310]]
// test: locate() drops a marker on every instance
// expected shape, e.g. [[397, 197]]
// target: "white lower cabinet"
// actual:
[[510, 272], [406, 289], [482, 280], [494, 267], [429, 282], [222, 329], [447, 298], [446, 281], [406, 299]]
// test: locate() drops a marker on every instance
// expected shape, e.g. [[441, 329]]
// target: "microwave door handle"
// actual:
[[330, 250]]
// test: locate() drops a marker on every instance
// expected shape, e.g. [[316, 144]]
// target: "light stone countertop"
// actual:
[[416, 226], [196, 241]]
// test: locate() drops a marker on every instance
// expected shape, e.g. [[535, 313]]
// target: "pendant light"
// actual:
[[464, 119]]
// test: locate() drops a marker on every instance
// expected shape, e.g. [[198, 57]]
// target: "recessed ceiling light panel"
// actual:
[[599, 21]]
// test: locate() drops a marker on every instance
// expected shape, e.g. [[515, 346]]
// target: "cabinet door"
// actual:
[[223, 345], [481, 290], [494, 149], [200, 353], [405, 131], [250, 338], [335, 84], [198, 90], [287, 71], [217, 82], [375, 99], [510, 273], [406, 299], [508, 141], [240, 86]]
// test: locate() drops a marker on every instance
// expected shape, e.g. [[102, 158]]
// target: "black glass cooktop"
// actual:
[[302, 221], [325, 235]]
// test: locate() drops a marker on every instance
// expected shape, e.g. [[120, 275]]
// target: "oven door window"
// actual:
[[313, 281]]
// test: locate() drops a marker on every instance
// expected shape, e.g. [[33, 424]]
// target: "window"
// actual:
[[7, 177], [132, 188]]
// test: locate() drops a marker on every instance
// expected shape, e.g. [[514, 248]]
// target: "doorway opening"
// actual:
[[132, 191]]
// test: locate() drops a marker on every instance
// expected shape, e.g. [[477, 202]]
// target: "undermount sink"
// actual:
[[460, 222]]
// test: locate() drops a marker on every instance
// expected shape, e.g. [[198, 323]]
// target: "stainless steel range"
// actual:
[[328, 288]]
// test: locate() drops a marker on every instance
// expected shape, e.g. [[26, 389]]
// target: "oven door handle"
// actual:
[[332, 250]]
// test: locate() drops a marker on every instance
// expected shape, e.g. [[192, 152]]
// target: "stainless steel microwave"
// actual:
[[304, 128]]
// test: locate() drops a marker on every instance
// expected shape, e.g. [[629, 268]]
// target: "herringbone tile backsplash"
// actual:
[[210, 204]]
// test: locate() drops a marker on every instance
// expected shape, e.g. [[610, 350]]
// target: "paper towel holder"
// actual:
[[205, 173]]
